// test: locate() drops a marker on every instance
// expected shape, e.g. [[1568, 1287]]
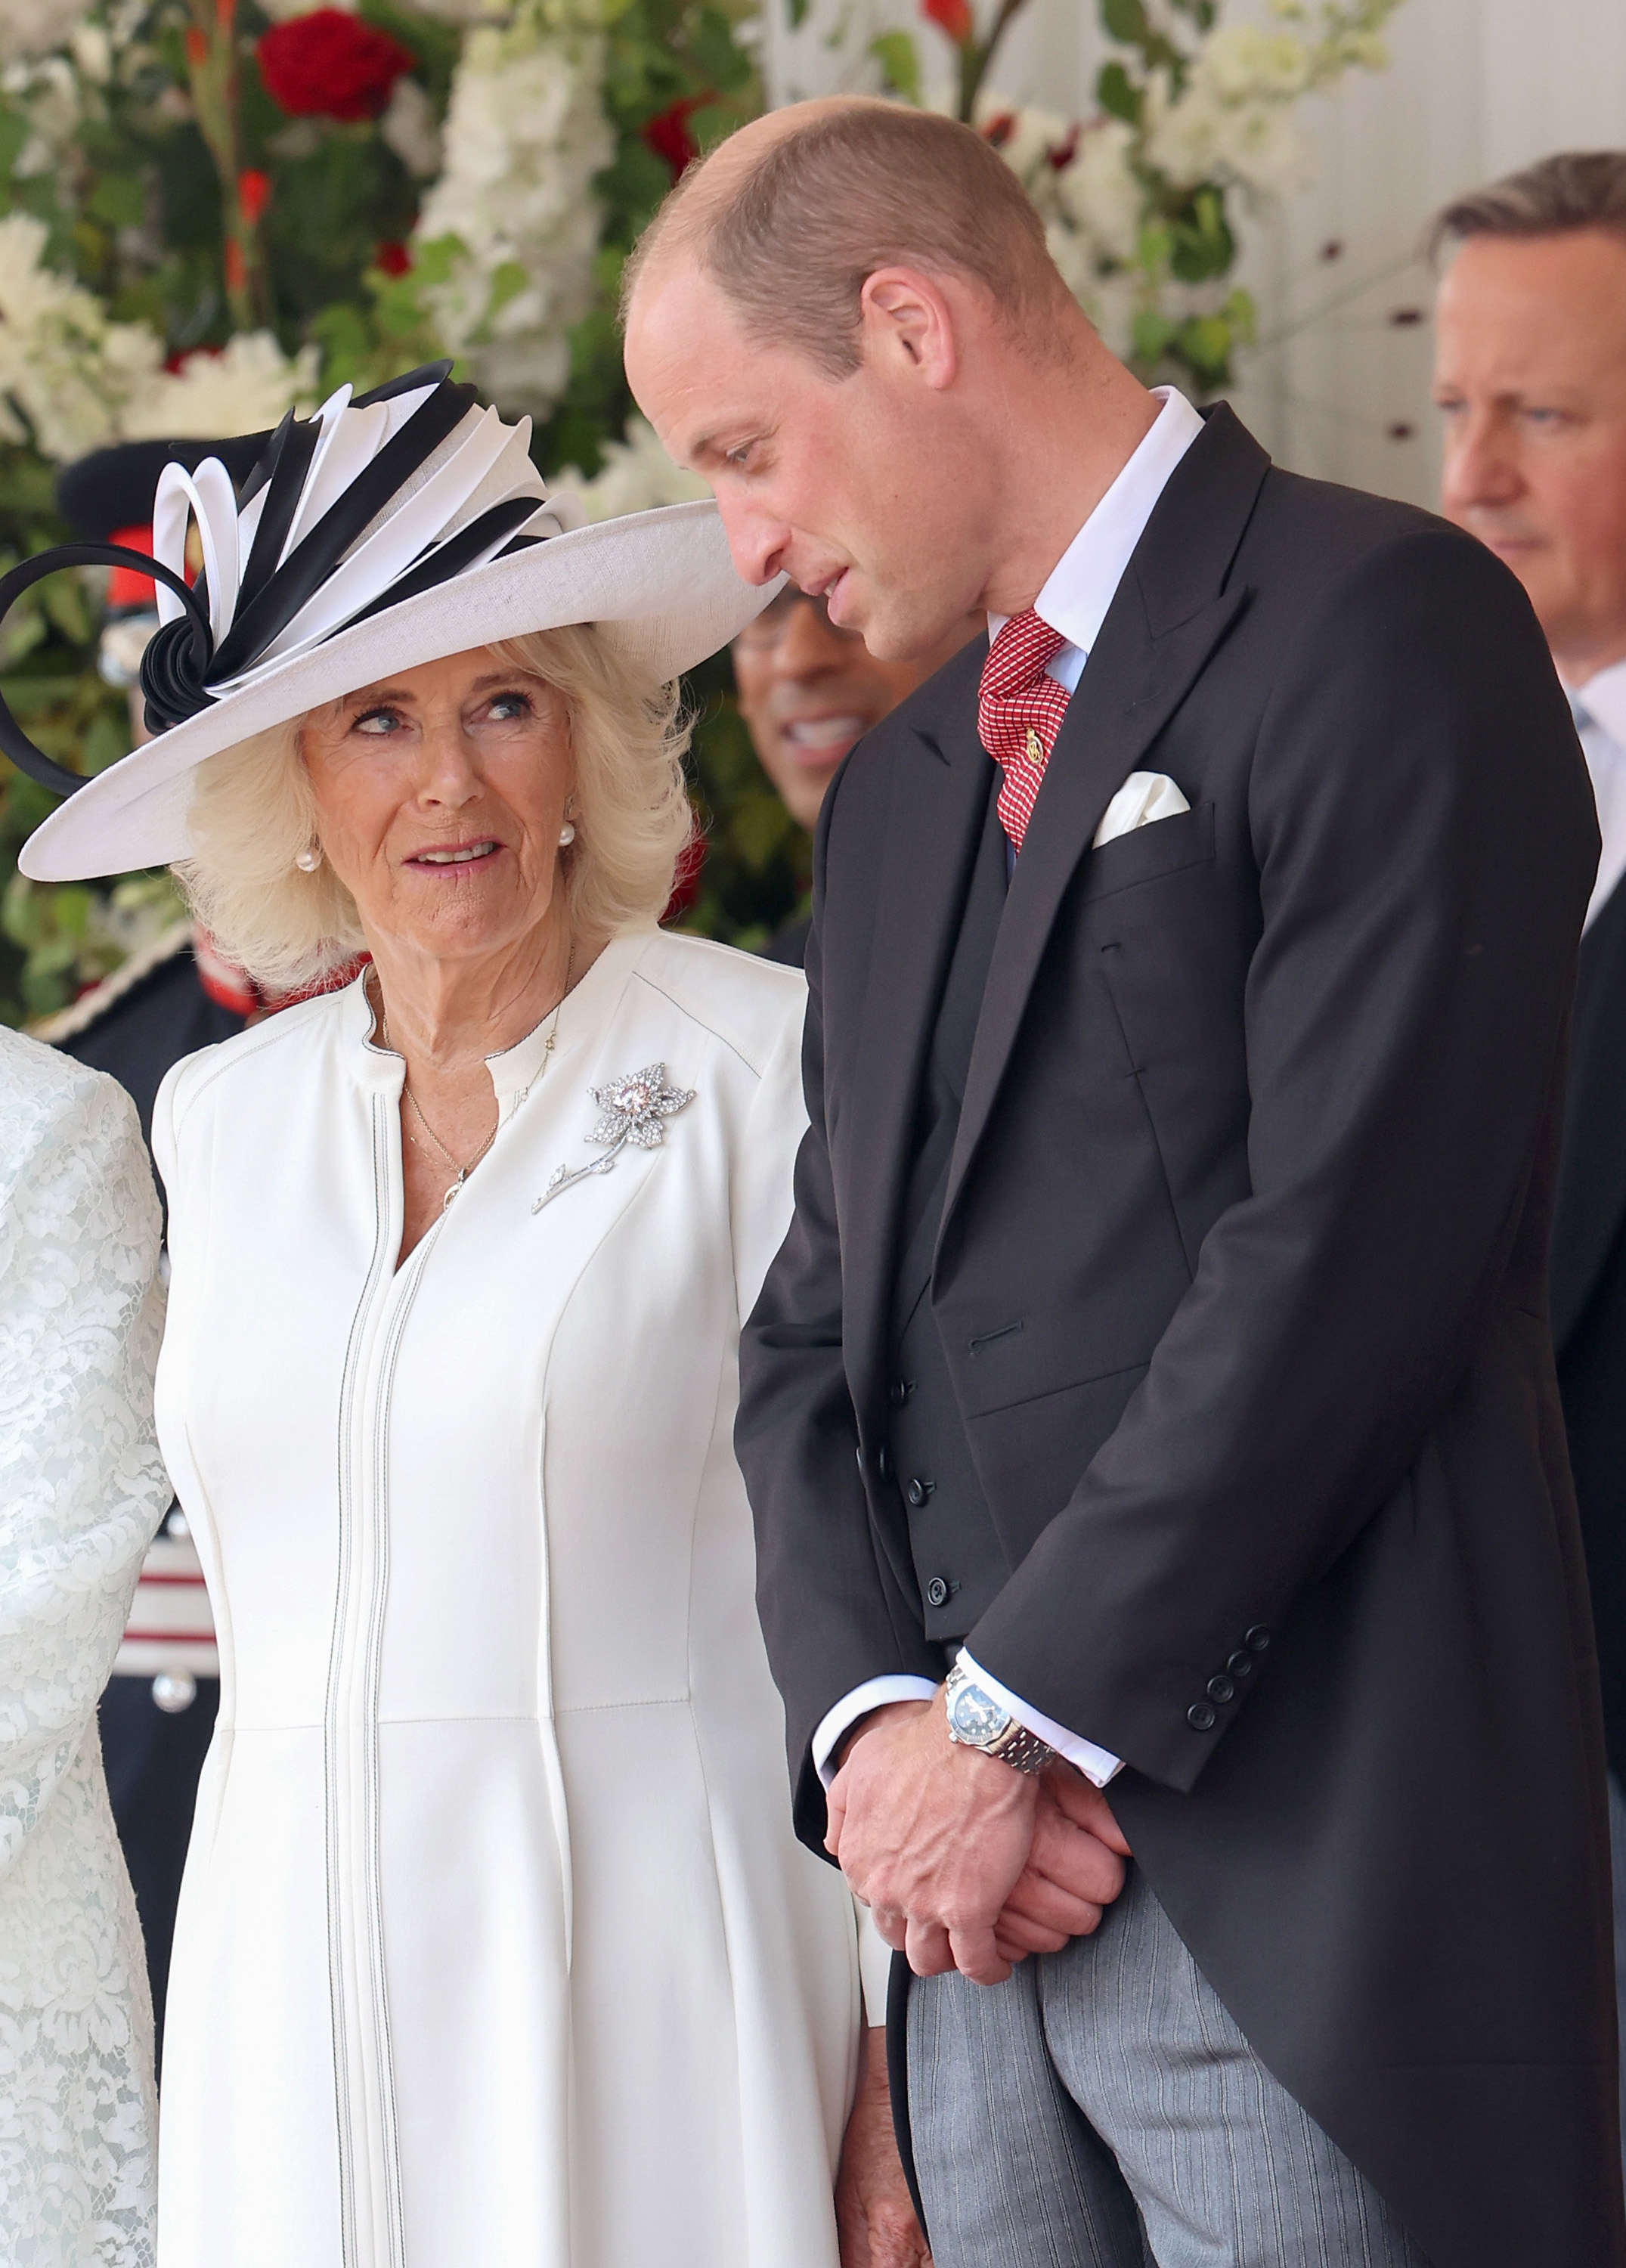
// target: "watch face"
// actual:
[[976, 1716]]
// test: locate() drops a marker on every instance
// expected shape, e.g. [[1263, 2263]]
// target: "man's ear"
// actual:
[[908, 324]]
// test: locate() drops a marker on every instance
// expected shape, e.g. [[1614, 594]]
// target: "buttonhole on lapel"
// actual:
[[1111, 945], [988, 1338]]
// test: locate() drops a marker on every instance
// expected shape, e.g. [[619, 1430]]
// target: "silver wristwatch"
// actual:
[[976, 1721]]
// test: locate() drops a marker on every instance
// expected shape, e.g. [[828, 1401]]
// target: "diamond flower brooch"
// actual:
[[632, 1109]]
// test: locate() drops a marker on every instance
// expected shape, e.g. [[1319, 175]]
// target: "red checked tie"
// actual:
[[1018, 714]]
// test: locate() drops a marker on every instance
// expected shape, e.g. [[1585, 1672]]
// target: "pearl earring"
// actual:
[[309, 859], [567, 834]]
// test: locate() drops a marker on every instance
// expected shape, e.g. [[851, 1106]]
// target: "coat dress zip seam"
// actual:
[[395, 1327], [330, 1728]]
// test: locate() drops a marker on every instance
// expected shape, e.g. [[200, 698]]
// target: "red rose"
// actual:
[[392, 259], [330, 65], [668, 133], [953, 17]]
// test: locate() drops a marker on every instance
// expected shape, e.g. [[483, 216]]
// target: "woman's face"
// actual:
[[440, 793]]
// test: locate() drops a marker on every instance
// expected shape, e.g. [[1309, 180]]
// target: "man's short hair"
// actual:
[[863, 184], [1577, 189]]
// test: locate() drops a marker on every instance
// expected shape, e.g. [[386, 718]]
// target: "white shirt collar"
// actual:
[[1603, 697], [1601, 713], [1081, 585]]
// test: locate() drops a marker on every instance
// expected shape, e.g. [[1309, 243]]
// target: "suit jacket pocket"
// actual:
[[1163, 847]]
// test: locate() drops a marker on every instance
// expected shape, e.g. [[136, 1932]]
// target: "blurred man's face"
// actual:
[[869, 491], [808, 690], [1530, 375]]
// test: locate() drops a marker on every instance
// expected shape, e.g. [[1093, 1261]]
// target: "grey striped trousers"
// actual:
[[1101, 2109]]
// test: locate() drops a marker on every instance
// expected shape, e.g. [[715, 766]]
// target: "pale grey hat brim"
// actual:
[[659, 587]]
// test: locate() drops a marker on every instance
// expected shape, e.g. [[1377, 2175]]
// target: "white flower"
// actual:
[[637, 475], [243, 389], [79, 381], [1240, 62], [1098, 192], [34, 27], [525, 135], [1023, 136], [63, 365], [409, 128]]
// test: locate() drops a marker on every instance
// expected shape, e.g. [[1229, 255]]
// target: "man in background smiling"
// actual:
[[808, 691]]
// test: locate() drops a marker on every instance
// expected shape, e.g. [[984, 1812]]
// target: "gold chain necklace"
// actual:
[[461, 1171]]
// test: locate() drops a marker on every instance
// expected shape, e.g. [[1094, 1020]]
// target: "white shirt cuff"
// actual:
[[874, 1693], [1098, 1765]]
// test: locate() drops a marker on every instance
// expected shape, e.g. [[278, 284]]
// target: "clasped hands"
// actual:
[[965, 1862]]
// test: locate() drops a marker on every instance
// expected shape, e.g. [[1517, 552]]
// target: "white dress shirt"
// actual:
[[1600, 707], [1080, 588]]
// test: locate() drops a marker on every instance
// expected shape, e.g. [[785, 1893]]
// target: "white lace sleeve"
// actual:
[[82, 1490]]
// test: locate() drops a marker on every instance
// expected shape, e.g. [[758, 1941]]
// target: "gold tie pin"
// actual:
[[1035, 747]]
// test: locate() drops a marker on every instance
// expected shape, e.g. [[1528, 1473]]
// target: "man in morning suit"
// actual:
[[1154, 1391], [1530, 378]]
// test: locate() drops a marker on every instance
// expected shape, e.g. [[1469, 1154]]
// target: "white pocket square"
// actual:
[[1143, 797]]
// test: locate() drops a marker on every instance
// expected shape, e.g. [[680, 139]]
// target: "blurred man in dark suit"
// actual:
[[1531, 378]]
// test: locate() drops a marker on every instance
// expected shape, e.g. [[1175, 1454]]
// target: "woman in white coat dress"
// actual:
[[82, 1490], [495, 1944]]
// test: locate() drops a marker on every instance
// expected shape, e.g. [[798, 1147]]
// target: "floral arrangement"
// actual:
[[211, 209], [1196, 116]]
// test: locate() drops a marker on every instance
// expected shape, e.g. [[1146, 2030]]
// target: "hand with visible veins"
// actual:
[[965, 1862], [932, 1835]]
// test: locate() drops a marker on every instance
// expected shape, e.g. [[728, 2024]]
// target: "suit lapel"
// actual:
[[942, 776], [1170, 613], [1589, 1204]]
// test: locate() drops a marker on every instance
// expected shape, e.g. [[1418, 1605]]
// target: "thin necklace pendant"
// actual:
[[445, 1202]]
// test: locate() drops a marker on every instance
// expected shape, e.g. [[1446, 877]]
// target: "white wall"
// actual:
[[1339, 387]]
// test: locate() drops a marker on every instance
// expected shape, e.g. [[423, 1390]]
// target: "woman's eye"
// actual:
[[507, 705], [377, 721]]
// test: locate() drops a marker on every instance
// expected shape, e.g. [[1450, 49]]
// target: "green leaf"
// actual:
[[508, 281], [900, 61], [798, 13], [1205, 342], [1117, 94], [119, 199], [1150, 335], [13, 137], [1126, 21]]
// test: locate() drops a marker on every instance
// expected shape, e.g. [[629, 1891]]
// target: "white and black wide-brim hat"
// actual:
[[387, 530]]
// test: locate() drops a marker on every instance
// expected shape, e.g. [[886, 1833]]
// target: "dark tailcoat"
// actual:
[[1589, 1290], [1241, 1286]]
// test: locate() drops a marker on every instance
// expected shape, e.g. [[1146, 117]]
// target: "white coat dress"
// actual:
[[495, 1944]]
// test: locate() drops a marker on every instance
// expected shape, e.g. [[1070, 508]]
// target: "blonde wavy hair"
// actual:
[[254, 810]]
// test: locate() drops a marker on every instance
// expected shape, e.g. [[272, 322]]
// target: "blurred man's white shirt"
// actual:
[[1600, 707]]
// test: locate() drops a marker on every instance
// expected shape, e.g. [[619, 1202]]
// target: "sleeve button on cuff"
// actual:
[[1201, 1718]]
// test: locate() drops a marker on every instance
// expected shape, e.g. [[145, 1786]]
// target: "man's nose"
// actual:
[[757, 543], [1480, 463]]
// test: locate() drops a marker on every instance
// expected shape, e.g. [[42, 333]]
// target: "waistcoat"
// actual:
[[959, 1563]]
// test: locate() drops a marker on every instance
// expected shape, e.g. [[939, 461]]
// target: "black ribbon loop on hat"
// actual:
[[313, 558], [192, 631]]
